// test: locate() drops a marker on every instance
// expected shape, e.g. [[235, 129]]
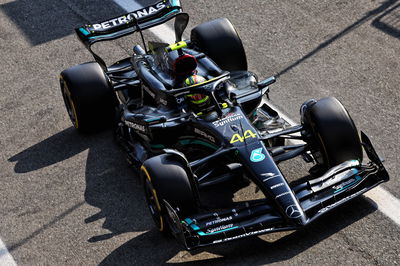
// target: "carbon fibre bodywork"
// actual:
[[298, 205], [239, 135]]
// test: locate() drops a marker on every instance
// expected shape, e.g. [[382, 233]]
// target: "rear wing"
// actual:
[[117, 27]]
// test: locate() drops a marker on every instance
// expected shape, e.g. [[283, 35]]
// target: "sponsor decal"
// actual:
[[277, 185], [219, 220], [247, 134], [347, 184], [293, 212], [219, 228], [135, 126], [257, 155], [244, 235], [234, 212], [163, 101], [179, 100], [230, 117], [327, 208], [282, 194], [129, 17], [269, 176], [204, 134]]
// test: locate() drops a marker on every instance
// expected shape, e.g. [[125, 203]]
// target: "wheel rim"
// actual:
[[152, 201], [69, 104]]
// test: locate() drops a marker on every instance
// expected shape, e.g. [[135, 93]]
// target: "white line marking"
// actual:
[[385, 201], [5, 257], [388, 204]]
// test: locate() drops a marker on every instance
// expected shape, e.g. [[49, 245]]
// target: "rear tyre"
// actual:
[[88, 97], [167, 179], [219, 40], [331, 132]]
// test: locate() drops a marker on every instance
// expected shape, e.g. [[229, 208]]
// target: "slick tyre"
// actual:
[[331, 132], [167, 179], [219, 40], [88, 97]]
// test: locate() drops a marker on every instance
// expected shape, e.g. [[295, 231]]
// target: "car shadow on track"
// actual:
[[42, 21], [389, 22], [152, 248], [111, 185]]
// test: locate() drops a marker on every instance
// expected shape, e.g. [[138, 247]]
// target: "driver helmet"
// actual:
[[197, 101]]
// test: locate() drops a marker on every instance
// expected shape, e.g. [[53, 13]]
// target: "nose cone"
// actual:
[[296, 213]]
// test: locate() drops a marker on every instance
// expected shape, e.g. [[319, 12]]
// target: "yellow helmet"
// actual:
[[197, 99]]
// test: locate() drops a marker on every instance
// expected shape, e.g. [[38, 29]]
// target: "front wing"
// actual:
[[316, 197]]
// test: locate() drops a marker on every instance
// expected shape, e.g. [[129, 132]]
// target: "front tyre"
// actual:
[[167, 179], [330, 132]]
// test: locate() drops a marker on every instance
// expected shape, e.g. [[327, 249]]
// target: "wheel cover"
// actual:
[[152, 200], [69, 103]]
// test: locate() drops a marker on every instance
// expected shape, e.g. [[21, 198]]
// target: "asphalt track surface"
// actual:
[[72, 199]]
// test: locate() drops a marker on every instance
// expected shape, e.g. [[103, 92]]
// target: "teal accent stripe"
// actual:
[[176, 3], [157, 146], [216, 232], [200, 142], [190, 222], [152, 119], [84, 31], [106, 35], [166, 15], [358, 179], [194, 227]]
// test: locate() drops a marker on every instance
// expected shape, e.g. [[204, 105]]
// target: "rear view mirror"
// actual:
[[181, 21]]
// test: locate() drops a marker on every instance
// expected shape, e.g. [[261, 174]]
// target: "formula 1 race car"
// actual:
[[192, 118]]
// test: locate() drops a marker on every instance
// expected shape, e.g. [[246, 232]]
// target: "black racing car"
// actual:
[[183, 149]]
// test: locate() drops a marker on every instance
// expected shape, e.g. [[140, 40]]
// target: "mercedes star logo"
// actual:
[[293, 212]]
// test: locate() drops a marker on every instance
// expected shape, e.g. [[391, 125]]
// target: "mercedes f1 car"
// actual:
[[183, 146]]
